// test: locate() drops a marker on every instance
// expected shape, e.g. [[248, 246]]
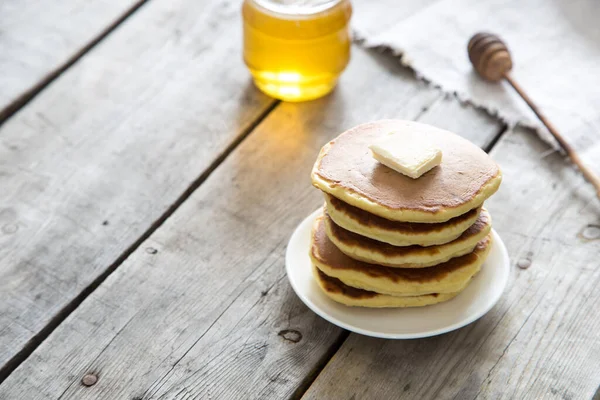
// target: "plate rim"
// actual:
[[497, 241]]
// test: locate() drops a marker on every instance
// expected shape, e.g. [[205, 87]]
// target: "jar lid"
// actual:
[[296, 8]]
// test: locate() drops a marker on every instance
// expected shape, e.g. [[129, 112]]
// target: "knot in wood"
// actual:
[[89, 380], [151, 250], [591, 232], [490, 56], [290, 335], [524, 263]]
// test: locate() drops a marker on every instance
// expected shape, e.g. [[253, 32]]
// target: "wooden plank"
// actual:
[[95, 161], [541, 340], [203, 309], [38, 41]]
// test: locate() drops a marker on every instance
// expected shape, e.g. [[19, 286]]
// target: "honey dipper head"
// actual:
[[490, 56]]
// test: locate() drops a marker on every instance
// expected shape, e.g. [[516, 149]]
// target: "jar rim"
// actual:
[[293, 10]]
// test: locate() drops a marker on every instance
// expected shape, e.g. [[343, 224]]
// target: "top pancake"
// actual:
[[347, 170]]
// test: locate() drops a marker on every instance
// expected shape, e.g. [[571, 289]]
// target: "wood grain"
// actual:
[[541, 340], [94, 162], [39, 41], [203, 308]]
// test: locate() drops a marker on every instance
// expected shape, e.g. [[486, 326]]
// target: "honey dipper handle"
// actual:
[[589, 175]]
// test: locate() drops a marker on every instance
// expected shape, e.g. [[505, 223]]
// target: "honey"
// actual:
[[296, 49]]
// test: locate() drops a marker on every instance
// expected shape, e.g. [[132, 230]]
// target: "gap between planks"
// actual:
[[28, 95], [37, 339]]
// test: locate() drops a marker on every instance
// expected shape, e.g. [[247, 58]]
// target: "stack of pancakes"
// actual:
[[387, 240]]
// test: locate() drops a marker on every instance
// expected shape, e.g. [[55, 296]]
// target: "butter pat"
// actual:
[[408, 154]]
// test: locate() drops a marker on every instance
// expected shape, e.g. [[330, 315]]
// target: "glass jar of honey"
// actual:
[[296, 49]]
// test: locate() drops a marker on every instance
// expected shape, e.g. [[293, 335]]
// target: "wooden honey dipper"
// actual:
[[491, 59]]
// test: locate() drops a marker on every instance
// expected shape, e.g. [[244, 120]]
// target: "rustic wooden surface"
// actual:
[[95, 160], [216, 316], [35, 46], [165, 172]]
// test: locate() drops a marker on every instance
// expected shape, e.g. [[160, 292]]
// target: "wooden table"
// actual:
[[149, 191]]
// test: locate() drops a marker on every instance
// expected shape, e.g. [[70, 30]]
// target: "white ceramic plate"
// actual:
[[398, 323]]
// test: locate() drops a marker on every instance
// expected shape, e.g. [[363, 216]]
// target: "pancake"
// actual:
[[347, 170], [342, 293], [447, 277], [395, 232], [374, 252]]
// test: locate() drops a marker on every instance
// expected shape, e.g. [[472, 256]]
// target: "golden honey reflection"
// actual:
[[296, 49]]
